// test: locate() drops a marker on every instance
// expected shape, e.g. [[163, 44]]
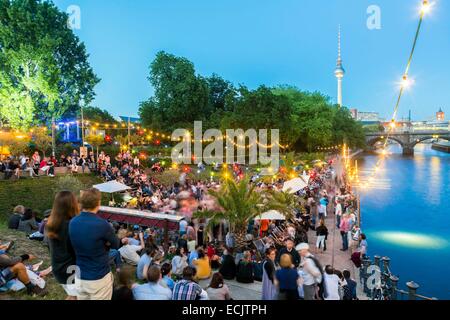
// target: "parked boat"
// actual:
[[441, 146]]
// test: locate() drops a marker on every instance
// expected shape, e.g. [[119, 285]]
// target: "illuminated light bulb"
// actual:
[[426, 7], [406, 82]]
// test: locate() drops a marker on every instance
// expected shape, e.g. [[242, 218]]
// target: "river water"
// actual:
[[407, 216]]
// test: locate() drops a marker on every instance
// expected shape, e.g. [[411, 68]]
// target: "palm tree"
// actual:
[[240, 203], [284, 202]]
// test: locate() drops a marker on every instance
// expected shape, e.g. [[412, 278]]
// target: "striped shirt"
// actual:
[[186, 290]]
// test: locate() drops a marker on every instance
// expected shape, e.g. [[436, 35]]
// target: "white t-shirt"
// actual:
[[332, 284], [129, 253], [339, 209]]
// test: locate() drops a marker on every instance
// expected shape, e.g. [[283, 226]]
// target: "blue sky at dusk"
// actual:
[[271, 42]]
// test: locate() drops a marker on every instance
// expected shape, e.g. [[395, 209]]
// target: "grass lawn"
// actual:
[[21, 246], [37, 194]]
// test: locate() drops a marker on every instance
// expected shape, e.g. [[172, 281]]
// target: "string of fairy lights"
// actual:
[[405, 83], [150, 134]]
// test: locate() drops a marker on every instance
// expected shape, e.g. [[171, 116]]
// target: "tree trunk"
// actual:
[[240, 236]]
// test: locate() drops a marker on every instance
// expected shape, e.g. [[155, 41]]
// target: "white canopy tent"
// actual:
[[111, 187], [295, 185], [271, 215]]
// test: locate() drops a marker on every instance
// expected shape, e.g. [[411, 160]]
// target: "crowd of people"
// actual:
[[85, 248]]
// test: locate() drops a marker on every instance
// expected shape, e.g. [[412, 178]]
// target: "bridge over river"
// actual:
[[407, 140]]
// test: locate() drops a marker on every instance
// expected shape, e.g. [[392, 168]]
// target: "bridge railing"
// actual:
[[379, 283]]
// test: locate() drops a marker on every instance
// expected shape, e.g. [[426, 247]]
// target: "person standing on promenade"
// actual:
[[91, 238], [312, 274], [322, 233], [269, 290], [344, 227], [338, 211]]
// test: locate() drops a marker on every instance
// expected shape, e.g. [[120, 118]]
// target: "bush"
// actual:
[[68, 183]]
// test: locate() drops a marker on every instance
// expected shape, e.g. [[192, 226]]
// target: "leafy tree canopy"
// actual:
[[306, 120], [44, 68]]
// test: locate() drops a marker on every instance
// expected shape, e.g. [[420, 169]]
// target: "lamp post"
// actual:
[[53, 136]]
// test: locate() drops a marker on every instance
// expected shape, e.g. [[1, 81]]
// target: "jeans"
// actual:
[[309, 291], [114, 257], [344, 236]]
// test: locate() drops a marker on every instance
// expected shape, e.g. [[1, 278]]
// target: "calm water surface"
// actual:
[[407, 218]]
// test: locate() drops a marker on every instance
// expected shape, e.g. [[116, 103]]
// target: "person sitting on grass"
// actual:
[[166, 272], [179, 262], [123, 291], [217, 289], [129, 252], [28, 222], [152, 290], [14, 220], [144, 262], [228, 265], [14, 268], [203, 266], [187, 289], [244, 270]]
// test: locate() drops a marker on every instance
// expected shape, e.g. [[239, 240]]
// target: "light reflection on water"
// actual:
[[410, 222]]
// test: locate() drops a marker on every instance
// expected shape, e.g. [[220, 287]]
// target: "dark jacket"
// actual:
[[14, 221], [321, 231], [244, 272], [91, 238], [293, 253], [228, 268], [28, 226], [62, 254]]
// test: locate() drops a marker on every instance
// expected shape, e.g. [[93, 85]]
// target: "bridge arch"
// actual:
[[372, 141]]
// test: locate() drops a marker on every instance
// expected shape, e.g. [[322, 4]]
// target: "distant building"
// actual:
[[440, 115], [368, 116], [354, 113]]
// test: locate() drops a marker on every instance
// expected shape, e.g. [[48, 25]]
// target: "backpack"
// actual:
[[322, 287]]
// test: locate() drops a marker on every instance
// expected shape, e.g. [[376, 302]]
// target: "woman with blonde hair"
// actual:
[[287, 279], [65, 207]]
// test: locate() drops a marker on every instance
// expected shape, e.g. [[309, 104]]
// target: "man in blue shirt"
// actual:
[[152, 290], [91, 238]]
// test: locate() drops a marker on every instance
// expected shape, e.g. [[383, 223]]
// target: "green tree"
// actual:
[[95, 140], [44, 68], [95, 114], [41, 139], [180, 98], [261, 109], [240, 203], [346, 129], [284, 202]]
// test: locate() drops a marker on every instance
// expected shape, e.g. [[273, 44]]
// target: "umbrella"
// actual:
[[271, 215], [305, 178], [111, 187], [294, 185]]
